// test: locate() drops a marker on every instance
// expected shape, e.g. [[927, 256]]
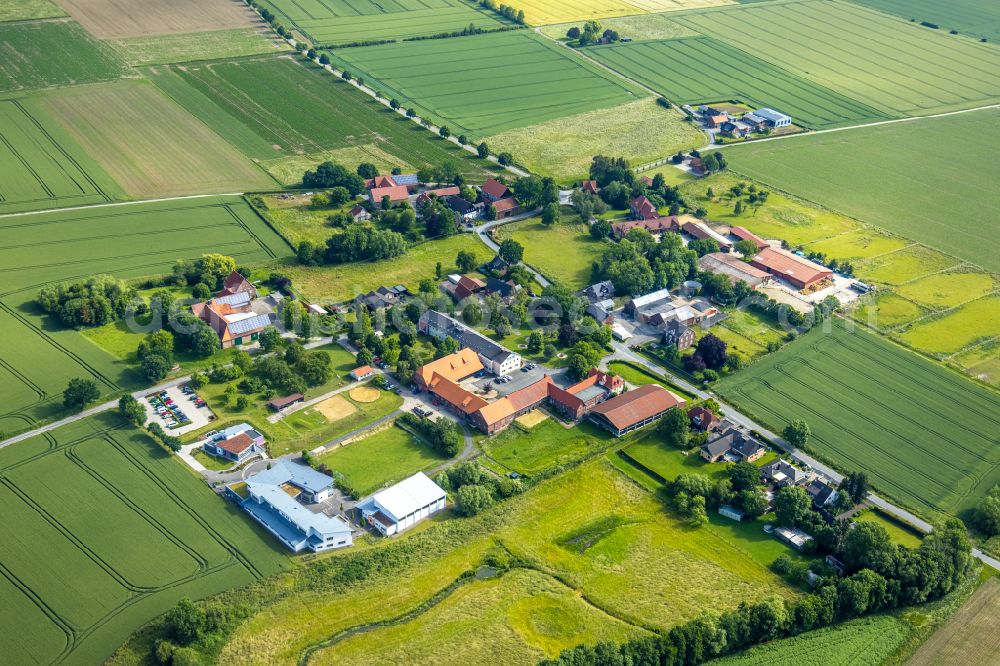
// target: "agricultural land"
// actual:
[[105, 532], [21, 10], [874, 406], [119, 19], [563, 253], [192, 46], [970, 636], [461, 83], [978, 18]]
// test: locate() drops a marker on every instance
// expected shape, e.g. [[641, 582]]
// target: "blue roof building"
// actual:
[[275, 498]]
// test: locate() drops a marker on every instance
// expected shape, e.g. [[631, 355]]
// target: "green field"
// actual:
[[700, 69], [877, 60], [105, 532], [53, 53], [544, 446], [273, 108], [462, 82], [130, 240], [974, 322], [874, 406], [20, 10], [907, 178], [564, 252], [978, 18], [41, 166], [190, 46], [380, 459], [899, 533]]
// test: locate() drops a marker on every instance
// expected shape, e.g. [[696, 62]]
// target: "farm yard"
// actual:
[[105, 532], [118, 19], [459, 82], [640, 131], [151, 146], [130, 240], [41, 166], [874, 406], [53, 53], [701, 69], [978, 18], [275, 109], [877, 60], [903, 177]]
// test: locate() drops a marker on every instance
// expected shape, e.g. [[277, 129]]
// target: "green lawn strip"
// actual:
[[193, 46], [638, 375]]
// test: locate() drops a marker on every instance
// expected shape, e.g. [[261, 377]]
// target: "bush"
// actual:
[[471, 499]]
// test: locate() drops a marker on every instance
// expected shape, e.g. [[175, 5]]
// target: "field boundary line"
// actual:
[[123, 203]]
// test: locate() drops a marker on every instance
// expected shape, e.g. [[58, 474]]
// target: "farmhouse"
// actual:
[[359, 214], [735, 128], [362, 373], [655, 225], [278, 404], [505, 289], [275, 498], [494, 357], [735, 268], [506, 207], [396, 193], [578, 400], [678, 335], [403, 505], [464, 209], [643, 209], [494, 190], [236, 443], [634, 409], [440, 193], [236, 283], [233, 317], [798, 271]]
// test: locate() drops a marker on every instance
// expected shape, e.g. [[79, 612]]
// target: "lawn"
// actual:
[[759, 329], [131, 240], [946, 290], [564, 252], [641, 131], [53, 53], [875, 406], [188, 47], [462, 83], [297, 220], [380, 459], [151, 146], [900, 534], [544, 446], [41, 166], [273, 108], [669, 462], [882, 62], [904, 265], [881, 175], [976, 18], [342, 282], [693, 70], [977, 321], [20, 10], [106, 532], [886, 311]]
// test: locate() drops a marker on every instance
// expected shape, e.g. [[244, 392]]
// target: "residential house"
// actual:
[[715, 450], [735, 268], [496, 266], [278, 404], [233, 318], [773, 118], [493, 357], [601, 291], [463, 208], [634, 409], [589, 186], [506, 289], [381, 181], [678, 335], [359, 213], [403, 505], [362, 373], [733, 445], [643, 209], [654, 225], [747, 449], [494, 190], [822, 493], [797, 271], [716, 120], [396, 194], [735, 128], [697, 168], [275, 498], [783, 473], [382, 298], [440, 193], [236, 283], [235, 444], [702, 418]]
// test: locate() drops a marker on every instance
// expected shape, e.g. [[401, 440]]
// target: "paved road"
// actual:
[[483, 233]]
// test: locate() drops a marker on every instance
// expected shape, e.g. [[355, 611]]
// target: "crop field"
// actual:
[[104, 533], [118, 19], [945, 290], [974, 322], [978, 18], [20, 10], [903, 177], [640, 26], [971, 636], [877, 60], [380, 459], [151, 146], [187, 47], [540, 12], [872, 405], [462, 83], [41, 166], [641, 132], [53, 53], [563, 252], [544, 446], [275, 107], [129, 240], [335, 284], [866, 641], [701, 69]]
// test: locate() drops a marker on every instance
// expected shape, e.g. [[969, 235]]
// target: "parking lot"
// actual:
[[168, 408], [518, 380]]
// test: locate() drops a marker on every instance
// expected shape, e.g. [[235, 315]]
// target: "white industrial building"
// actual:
[[403, 505]]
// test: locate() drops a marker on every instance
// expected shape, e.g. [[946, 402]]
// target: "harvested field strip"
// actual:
[[874, 406], [20, 10], [457, 81], [301, 10], [118, 19], [880, 61], [701, 69]]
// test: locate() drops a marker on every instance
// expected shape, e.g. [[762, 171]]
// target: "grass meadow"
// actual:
[[20, 10], [877, 60], [105, 532], [53, 53], [41, 166], [563, 148], [900, 533], [130, 240], [872, 405], [274, 108], [562, 252], [545, 446], [188, 47], [701, 69], [462, 82], [976, 18], [906, 178]]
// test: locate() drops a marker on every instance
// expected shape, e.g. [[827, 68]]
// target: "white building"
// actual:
[[496, 358], [403, 505], [774, 118]]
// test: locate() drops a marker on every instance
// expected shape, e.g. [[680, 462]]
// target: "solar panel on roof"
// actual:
[[405, 179], [251, 324], [239, 298]]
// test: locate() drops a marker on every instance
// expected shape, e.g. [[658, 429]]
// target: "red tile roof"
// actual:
[[504, 205], [746, 234], [394, 192], [589, 186], [654, 225], [236, 445], [380, 181], [637, 405], [644, 208], [798, 270], [361, 371], [494, 188]]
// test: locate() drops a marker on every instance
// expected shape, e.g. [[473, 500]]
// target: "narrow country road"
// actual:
[[482, 231]]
